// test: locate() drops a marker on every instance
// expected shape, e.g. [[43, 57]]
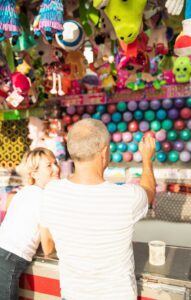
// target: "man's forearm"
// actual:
[[148, 180]]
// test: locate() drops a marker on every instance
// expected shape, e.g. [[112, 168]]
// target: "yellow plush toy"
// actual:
[[125, 16]]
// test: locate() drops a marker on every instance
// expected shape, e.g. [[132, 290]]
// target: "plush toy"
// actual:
[[106, 78], [90, 81], [9, 21], [182, 46], [50, 20], [71, 37], [76, 60], [182, 69], [21, 86], [125, 16]]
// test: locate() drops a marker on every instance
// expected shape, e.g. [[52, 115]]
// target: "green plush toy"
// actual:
[[182, 69], [125, 16]]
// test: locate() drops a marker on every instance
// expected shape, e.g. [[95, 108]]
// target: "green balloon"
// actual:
[[185, 134], [188, 102], [173, 156], [155, 125], [122, 126], [167, 124], [149, 115], [113, 147], [122, 106], [172, 135]]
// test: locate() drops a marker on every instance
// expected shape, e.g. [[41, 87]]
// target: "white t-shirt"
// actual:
[[92, 226], [20, 230]]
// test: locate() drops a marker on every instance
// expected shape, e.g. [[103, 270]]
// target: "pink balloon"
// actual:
[[127, 137], [161, 135], [127, 156], [116, 137]]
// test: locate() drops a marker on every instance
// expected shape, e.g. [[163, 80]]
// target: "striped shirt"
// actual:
[[92, 226]]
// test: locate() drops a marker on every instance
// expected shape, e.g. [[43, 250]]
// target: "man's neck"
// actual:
[[87, 174]]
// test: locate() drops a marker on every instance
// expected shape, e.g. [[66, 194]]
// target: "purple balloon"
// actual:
[[188, 124], [127, 116], [167, 103], [144, 105], [132, 105], [185, 156], [137, 156], [179, 102], [188, 146], [161, 135], [155, 104], [86, 116], [106, 118], [71, 110], [144, 126], [173, 114], [178, 146]]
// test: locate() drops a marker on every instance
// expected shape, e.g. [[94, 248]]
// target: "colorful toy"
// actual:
[[49, 20], [182, 69], [9, 21], [125, 16]]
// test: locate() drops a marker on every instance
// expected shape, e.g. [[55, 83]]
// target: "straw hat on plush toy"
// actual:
[[71, 37]]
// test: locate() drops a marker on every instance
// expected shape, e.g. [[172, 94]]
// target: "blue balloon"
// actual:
[[111, 127], [101, 108], [158, 146], [132, 147], [116, 117], [116, 157], [96, 116], [161, 114], [161, 156], [138, 115], [122, 147], [138, 136]]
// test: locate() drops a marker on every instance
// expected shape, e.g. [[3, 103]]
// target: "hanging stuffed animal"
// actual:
[[9, 21], [50, 20], [182, 69], [125, 16]]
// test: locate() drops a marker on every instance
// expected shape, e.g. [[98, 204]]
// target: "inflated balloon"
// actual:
[[172, 135], [122, 126], [71, 110], [80, 109], [167, 103], [185, 113], [179, 102], [111, 127], [101, 108], [117, 157], [188, 125], [127, 137], [113, 147], [138, 136], [116, 117], [161, 156], [166, 146], [133, 126], [143, 105], [144, 126], [127, 156], [188, 102], [116, 137], [185, 135], [173, 114], [137, 156], [185, 156], [155, 104], [132, 105], [138, 115], [111, 108], [106, 118], [90, 109], [121, 106], [179, 146], [149, 133], [173, 156], [161, 135], [86, 116], [188, 146], [155, 125], [179, 125], [149, 115], [127, 116], [67, 119], [132, 147], [161, 114], [122, 147], [96, 116], [158, 146], [75, 118], [167, 124]]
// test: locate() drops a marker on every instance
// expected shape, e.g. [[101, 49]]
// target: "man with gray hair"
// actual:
[[91, 220]]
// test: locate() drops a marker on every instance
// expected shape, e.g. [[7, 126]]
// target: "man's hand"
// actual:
[[147, 148]]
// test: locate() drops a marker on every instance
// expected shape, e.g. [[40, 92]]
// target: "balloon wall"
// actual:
[[169, 120]]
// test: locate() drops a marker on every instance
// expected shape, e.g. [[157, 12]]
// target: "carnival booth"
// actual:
[[128, 64]]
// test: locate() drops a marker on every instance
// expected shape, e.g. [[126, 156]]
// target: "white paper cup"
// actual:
[[157, 253]]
